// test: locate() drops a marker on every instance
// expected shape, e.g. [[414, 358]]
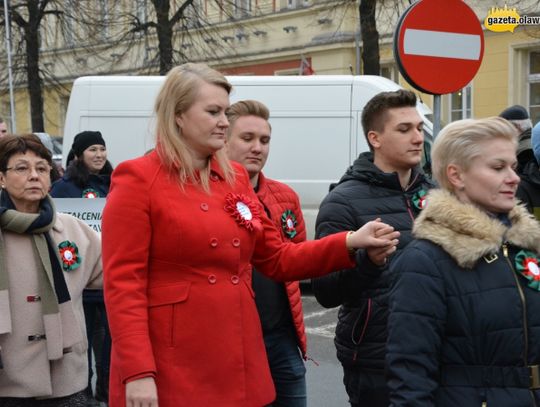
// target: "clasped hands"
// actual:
[[379, 239]]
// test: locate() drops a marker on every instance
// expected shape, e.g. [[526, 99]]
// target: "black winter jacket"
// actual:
[[464, 319], [529, 188], [365, 193]]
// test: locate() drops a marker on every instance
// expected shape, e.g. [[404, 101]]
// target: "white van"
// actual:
[[316, 126]]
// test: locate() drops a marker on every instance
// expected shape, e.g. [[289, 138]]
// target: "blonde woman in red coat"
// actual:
[[180, 231]]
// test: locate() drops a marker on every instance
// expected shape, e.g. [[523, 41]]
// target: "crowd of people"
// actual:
[[190, 296]]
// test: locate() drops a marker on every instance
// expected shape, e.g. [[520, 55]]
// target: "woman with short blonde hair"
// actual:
[[463, 328], [462, 142]]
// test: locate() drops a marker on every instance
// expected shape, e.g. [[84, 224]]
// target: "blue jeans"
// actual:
[[287, 368]]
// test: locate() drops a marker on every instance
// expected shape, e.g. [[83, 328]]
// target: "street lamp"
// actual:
[[10, 67]]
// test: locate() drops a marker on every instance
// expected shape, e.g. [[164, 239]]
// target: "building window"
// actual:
[[461, 103], [62, 109], [105, 17], [534, 86], [69, 37], [287, 72], [5, 113], [141, 11], [389, 71], [242, 8]]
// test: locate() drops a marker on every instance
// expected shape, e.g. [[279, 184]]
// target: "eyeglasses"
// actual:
[[25, 170]]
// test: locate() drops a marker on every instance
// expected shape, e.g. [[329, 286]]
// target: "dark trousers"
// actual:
[[99, 342], [365, 388], [287, 368], [75, 400]]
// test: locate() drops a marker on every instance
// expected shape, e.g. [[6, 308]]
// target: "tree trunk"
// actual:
[[370, 38], [31, 34], [164, 34]]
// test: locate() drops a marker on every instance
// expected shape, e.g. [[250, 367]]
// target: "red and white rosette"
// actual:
[[242, 209]]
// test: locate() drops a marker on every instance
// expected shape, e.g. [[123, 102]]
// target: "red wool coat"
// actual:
[[178, 285], [279, 199]]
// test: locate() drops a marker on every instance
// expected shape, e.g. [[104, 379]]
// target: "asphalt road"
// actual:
[[325, 380]]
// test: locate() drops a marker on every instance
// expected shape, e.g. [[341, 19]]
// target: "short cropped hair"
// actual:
[[246, 108], [374, 115], [14, 144], [461, 141]]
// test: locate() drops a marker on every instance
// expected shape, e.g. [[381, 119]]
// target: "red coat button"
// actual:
[[214, 177], [213, 242], [235, 279], [212, 279], [236, 242], [204, 206]]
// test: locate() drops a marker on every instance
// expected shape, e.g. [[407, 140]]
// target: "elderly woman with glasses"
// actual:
[[46, 260], [464, 326]]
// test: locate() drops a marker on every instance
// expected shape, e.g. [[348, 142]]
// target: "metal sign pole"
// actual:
[[10, 67], [436, 115]]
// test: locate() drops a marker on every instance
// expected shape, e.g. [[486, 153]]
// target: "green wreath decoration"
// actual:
[[69, 255], [527, 265], [288, 223]]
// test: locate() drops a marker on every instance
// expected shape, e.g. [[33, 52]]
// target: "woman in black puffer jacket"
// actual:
[[464, 325]]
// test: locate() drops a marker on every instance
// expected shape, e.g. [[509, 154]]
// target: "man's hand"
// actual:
[[378, 255]]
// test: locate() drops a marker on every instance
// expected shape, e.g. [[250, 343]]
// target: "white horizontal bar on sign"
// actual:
[[442, 44]]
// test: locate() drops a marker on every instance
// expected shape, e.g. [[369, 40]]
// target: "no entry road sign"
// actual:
[[439, 45]]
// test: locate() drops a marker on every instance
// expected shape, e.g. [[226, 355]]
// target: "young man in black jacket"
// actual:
[[384, 183]]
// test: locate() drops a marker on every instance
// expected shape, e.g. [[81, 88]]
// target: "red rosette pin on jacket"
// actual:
[[419, 199], [242, 209], [288, 223], [69, 255], [527, 265], [90, 193]]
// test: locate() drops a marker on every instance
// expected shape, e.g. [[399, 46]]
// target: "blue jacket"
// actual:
[[66, 188], [464, 322]]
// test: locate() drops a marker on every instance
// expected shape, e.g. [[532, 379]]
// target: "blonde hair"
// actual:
[[175, 97], [246, 108], [461, 141]]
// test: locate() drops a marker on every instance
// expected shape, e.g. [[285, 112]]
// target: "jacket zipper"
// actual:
[[524, 313], [409, 209], [407, 201]]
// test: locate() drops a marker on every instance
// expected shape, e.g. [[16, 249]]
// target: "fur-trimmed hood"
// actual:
[[467, 233]]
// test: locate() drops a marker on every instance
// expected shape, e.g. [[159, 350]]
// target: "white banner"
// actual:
[[85, 209]]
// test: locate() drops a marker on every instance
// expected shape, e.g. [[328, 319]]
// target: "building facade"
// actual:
[[263, 37]]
